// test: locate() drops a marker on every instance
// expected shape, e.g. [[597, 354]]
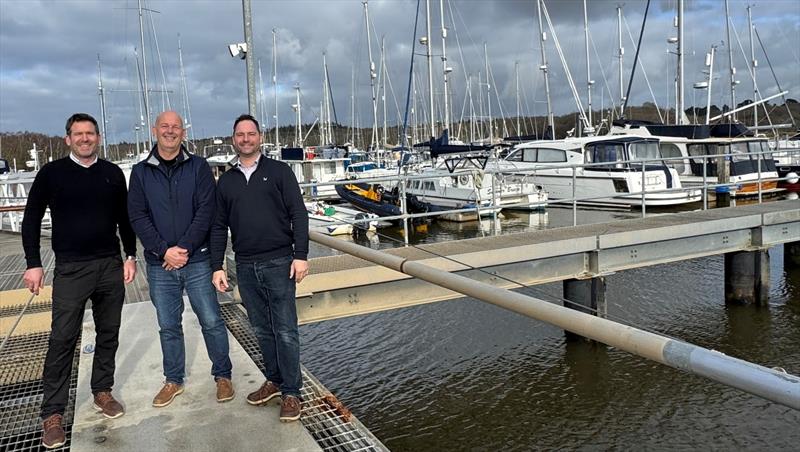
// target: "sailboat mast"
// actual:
[[384, 74], [275, 84], [516, 80], [588, 66], [187, 111], [146, 91], [102, 95], [488, 93], [329, 124], [372, 75], [620, 54], [710, 79], [445, 69], [753, 64], [428, 56], [298, 139], [680, 94], [732, 72], [543, 67], [249, 57]]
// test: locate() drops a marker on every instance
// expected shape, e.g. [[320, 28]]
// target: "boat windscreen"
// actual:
[[605, 153], [757, 147], [644, 150]]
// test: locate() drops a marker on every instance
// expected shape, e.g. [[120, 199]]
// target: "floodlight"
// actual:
[[238, 50]]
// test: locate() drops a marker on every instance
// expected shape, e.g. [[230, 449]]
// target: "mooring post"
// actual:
[[585, 295], [791, 254], [747, 277]]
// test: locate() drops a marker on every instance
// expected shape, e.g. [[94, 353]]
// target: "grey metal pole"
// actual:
[[428, 56], [102, 94], [275, 86], [145, 90], [778, 387], [445, 71], [753, 64], [588, 65], [680, 95], [543, 67], [732, 70], [249, 58]]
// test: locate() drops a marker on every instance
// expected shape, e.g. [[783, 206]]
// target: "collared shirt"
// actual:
[[248, 170], [76, 160]]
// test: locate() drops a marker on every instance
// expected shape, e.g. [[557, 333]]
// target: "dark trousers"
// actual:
[[269, 297], [98, 280]]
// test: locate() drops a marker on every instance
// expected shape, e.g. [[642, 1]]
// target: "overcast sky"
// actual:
[[48, 56]]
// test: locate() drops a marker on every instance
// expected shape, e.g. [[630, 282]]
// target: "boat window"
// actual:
[[529, 155], [428, 185], [739, 151], [644, 150], [605, 153], [669, 150], [330, 167], [515, 156], [551, 155], [757, 147]]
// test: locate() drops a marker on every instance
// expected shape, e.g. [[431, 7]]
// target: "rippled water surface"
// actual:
[[466, 375]]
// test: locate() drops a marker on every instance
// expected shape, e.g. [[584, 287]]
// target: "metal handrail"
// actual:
[[405, 178]]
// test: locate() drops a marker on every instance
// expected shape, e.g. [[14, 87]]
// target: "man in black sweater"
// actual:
[[260, 201], [87, 200]]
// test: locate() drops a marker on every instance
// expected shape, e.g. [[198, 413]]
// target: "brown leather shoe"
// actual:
[[265, 393], [105, 402], [167, 394], [224, 390], [290, 409], [53, 434]]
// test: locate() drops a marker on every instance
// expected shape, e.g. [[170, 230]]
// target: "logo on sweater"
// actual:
[[265, 179]]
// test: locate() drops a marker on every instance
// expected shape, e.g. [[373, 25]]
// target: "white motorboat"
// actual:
[[604, 171]]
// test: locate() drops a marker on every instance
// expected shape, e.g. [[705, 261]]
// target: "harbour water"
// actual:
[[466, 375]]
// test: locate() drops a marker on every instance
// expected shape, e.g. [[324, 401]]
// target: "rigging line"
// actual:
[[164, 91], [641, 65], [527, 289], [763, 49], [751, 73], [499, 104], [603, 73], [636, 55], [463, 65]]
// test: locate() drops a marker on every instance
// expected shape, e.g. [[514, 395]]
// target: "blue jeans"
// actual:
[[269, 297], [166, 291]]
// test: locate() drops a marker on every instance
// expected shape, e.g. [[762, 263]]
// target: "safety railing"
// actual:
[[701, 190]]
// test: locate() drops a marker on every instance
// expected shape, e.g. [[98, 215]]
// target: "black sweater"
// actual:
[[86, 207], [266, 215]]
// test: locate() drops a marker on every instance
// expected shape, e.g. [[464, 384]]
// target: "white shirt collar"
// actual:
[[76, 160], [255, 164]]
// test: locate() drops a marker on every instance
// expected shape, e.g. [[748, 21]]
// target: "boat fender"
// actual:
[[792, 178]]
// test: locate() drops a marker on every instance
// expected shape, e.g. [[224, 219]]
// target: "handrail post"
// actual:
[[705, 182], [404, 208], [644, 181], [758, 161], [574, 199]]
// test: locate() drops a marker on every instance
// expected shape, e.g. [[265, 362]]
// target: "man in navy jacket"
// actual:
[[260, 200], [171, 207]]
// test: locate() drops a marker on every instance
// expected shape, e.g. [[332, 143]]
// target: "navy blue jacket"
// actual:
[[172, 207]]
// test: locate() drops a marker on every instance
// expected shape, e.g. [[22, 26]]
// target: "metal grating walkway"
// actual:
[[329, 422], [21, 393]]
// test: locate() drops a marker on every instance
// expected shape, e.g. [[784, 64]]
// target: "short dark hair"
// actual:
[[81, 117], [246, 117]]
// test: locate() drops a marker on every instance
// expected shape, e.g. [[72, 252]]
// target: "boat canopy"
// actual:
[[692, 131]]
